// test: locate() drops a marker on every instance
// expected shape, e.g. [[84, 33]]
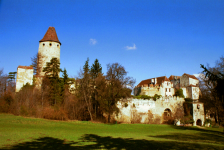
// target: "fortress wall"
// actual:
[[24, 75], [141, 111]]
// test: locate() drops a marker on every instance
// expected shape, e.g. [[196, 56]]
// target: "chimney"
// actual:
[[155, 81]]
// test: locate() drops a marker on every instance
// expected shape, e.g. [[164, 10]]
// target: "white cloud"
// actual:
[[92, 41], [131, 48]]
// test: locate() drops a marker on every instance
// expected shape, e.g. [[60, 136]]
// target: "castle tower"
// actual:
[[49, 47]]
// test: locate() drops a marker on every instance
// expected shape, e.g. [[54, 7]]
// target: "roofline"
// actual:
[[50, 41]]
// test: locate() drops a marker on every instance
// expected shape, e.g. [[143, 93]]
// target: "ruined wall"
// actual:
[[146, 111], [47, 51], [24, 75]]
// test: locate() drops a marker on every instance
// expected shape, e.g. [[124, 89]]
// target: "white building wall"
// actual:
[[47, 51], [193, 81], [23, 76]]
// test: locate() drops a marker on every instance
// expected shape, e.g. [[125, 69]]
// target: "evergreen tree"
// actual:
[[65, 76], [52, 71], [11, 76], [64, 83], [95, 70]]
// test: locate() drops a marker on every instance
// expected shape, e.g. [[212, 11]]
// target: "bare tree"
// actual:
[[113, 87], [3, 82], [84, 88], [212, 89]]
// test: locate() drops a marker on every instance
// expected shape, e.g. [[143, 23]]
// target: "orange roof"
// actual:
[[160, 80], [25, 67], [50, 35], [191, 76]]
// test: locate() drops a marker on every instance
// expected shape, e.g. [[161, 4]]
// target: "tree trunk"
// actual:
[[88, 106], [109, 118]]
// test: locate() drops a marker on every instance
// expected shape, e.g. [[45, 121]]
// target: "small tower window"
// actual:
[[43, 44], [58, 45], [50, 44]]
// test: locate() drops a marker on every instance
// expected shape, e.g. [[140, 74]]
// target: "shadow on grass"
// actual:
[[197, 137], [92, 141], [198, 129]]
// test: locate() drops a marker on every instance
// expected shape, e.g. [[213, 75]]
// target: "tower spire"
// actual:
[[50, 35]]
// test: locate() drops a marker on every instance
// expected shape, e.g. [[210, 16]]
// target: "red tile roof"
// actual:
[[25, 67], [50, 35], [160, 80], [191, 76]]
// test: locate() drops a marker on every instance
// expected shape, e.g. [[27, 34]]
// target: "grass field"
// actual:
[[31, 133]]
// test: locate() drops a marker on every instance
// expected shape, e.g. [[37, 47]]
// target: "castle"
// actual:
[[151, 111], [168, 104], [166, 86], [49, 47]]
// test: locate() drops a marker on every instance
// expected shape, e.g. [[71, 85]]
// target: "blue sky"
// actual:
[[150, 38]]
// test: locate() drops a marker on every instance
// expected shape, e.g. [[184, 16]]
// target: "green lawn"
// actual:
[[31, 133]]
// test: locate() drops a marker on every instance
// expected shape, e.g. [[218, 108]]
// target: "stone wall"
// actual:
[[24, 75], [147, 111]]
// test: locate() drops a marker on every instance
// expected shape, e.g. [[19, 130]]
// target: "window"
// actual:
[[43, 44], [58, 45], [50, 44], [166, 89], [169, 89]]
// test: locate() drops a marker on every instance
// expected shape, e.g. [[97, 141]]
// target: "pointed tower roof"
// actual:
[[50, 35]]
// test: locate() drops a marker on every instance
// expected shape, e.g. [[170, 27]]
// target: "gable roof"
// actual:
[[50, 35], [25, 67], [191, 76], [160, 80]]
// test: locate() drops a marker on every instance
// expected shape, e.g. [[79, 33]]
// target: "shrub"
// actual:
[[156, 96], [208, 121], [143, 97], [179, 92], [187, 120]]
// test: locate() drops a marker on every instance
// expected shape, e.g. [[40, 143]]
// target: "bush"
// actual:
[[156, 96], [208, 121], [187, 120], [179, 92], [143, 97], [54, 113]]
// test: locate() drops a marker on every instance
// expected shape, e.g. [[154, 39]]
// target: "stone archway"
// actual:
[[199, 123], [167, 116], [167, 112]]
